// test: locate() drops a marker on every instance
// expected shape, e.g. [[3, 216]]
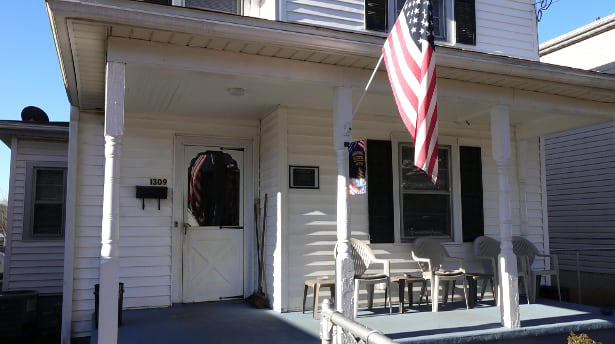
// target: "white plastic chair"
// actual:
[[487, 248], [432, 256], [526, 251], [363, 258]]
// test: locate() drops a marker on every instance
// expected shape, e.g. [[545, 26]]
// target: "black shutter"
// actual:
[[465, 19], [471, 171], [376, 15], [380, 191]]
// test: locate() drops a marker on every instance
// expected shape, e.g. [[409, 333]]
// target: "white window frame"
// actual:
[[454, 143], [30, 189]]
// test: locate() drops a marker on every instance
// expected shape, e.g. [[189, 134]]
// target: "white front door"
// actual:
[[213, 208]]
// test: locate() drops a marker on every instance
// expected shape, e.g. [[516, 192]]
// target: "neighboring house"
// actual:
[[581, 173], [34, 252], [270, 85]]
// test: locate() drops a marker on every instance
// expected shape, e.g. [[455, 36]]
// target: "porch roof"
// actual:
[[37, 130], [81, 30]]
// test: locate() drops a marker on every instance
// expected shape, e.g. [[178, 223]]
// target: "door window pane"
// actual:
[[214, 189]]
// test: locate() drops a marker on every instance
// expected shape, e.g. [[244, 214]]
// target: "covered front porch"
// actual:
[[172, 92], [546, 321]]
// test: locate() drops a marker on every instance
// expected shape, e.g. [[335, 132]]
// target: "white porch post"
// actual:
[[509, 291], [344, 267], [109, 252]]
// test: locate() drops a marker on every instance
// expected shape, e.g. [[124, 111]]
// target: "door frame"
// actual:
[[177, 232]]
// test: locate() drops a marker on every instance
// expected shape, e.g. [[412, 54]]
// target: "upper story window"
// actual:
[[45, 200], [228, 6], [380, 15]]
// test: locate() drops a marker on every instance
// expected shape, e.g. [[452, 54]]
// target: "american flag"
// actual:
[[408, 55]]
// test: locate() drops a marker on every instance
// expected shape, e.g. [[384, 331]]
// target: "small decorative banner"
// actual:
[[357, 183]]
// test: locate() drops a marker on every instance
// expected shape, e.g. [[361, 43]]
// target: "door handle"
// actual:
[[186, 226]]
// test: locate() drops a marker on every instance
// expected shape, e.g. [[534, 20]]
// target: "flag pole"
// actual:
[[369, 82]]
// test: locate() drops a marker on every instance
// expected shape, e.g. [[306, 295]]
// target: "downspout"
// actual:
[[69, 229], [9, 214]]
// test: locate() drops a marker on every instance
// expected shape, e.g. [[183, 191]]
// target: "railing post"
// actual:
[[578, 277], [326, 326]]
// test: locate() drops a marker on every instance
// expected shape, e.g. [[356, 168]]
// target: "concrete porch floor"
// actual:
[[236, 322]]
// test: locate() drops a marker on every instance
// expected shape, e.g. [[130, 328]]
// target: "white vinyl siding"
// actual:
[[145, 234], [504, 27], [588, 54], [32, 264], [311, 213], [581, 195]]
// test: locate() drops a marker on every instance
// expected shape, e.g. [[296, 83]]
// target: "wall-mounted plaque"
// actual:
[[303, 177]]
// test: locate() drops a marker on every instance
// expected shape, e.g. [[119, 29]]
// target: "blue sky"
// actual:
[[30, 73]]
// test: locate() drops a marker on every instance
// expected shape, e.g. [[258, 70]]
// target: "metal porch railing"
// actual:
[[578, 264], [333, 324]]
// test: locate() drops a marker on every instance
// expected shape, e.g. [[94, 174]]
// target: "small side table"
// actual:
[[316, 284], [408, 280], [472, 278]]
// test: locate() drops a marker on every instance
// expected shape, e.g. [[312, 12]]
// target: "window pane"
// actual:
[[426, 215], [47, 219], [413, 178], [49, 185], [438, 18]]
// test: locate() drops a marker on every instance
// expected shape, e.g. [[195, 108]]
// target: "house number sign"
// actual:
[[157, 181]]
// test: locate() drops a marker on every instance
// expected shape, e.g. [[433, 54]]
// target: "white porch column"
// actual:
[[344, 267], [109, 252], [509, 292]]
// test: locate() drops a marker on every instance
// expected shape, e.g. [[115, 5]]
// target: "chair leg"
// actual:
[[559, 293], [370, 296], [434, 293], [527, 292], [305, 291], [356, 297], [453, 292], [387, 293], [482, 290], [316, 292], [465, 291], [493, 289], [410, 298], [533, 286], [445, 284]]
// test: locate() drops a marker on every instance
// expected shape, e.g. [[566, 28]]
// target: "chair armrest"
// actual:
[[423, 260], [386, 265]]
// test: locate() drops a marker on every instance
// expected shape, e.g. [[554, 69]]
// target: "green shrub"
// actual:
[[581, 339]]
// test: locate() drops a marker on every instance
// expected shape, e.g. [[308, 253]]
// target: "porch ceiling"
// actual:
[[82, 29]]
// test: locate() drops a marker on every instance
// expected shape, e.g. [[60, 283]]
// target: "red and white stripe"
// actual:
[[412, 74]]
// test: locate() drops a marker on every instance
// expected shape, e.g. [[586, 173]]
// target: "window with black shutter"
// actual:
[[471, 173], [465, 21], [380, 191], [376, 15]]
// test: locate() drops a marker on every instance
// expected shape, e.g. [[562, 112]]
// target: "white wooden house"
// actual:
[[272, 84], [577, 191], [34, 246]]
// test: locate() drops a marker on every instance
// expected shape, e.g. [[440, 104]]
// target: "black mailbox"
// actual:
[[153, 192]]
